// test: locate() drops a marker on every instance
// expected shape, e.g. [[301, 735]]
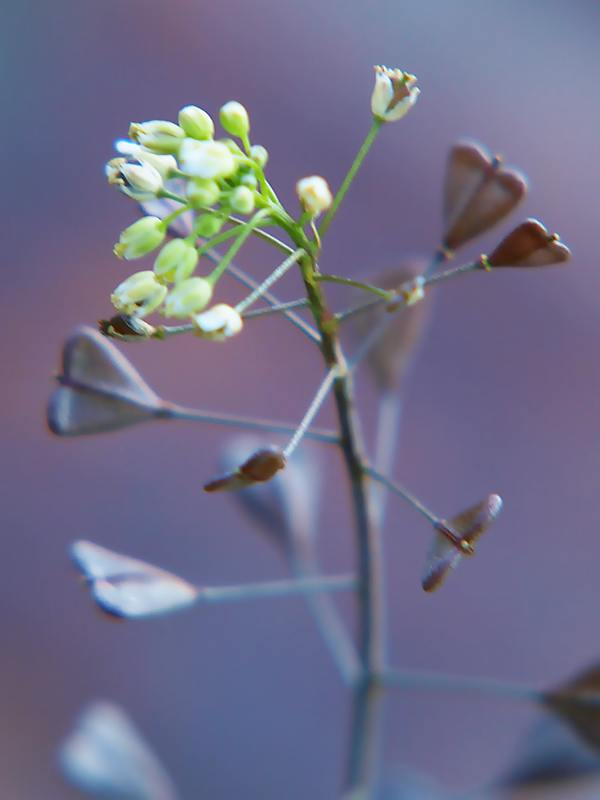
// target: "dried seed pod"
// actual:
[[126, 588], [577, 703], [478, 193], [100, 390], [457, 538], [106, 756], [391, 356], [550, 755], [126, 328], [529, 245], [259, 468], [285, 507]]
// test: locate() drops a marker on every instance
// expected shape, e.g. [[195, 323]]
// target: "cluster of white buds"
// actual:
[[210, 179]]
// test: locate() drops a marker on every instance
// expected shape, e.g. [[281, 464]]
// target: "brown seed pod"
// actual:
[[478, 193], [577, 702], [100, 390], [126, 328], [529, 245], [457, 538], [262, 465]]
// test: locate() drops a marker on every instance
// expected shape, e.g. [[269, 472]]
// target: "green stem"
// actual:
[[360, 157], [366, 287], [246, 232]]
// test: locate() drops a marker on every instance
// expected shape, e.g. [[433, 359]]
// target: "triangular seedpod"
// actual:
[[577, 703], [127, 588], [100, 390], [478, 193], [529, 245], [457, 538], [259, 468], [105, 756]]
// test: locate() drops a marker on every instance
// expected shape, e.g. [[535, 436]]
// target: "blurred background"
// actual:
[[242, 700]]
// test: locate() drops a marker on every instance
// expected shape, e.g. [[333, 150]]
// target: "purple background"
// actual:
[[242, 700]]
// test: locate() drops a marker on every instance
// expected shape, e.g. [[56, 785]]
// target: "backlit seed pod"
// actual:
[[219, 323], [259, 468], [529, 245], [127, 328], [242, 200], [202, 193], [394, 94], [196, 123], [176, 261], [99, 389], [478, 193], [188, 298], [145, 235], [206, 159], [234, 119], [259, 154], [157, 135], [139, 295], [314, 195], [457, 538]]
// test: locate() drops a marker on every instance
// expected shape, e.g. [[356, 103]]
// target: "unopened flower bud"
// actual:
[[242, 200], [208, 225], [206, 159], [176, 261], [219, 323], [165, 165], [259, 468], [158, 135], [188, 297], [140, 294], [234, 118], [196, 123], [232, 146], [393, 95], [140, 181], [202, 193], [249, 179], [140, 238], [126, 328], [259, 154], [314, 194]]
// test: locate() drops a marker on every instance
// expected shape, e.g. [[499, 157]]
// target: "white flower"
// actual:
[[206, 159], [188, 297], [219, 323], [314, 194], [140, 294], [140, 238], [393, 95], [165, 165]]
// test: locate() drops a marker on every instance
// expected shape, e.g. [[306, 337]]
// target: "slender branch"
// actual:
[[277, 273], [283, 588], [172, 411], [396, 488], [428, 681], [302, 302], [389, 418], [385, 294], [246, 231], [355, 166], [312, 411], [440, 256]]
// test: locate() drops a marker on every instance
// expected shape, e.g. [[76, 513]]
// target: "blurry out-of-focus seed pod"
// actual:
[[528, 245], [157, 135], [392, 354], [139, 295], [286, 507], [99, 389], [140, 238], [127, 588], [262, 465], [394, 94], [478, 193], [105, 756], [550, 756], [234, 119], [577, 703], [206, 159], [196, 123], [314, 194], [457, 538], [219, 323], [127, 328]]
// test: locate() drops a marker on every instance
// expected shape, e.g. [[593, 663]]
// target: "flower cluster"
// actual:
[[180, 168]]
